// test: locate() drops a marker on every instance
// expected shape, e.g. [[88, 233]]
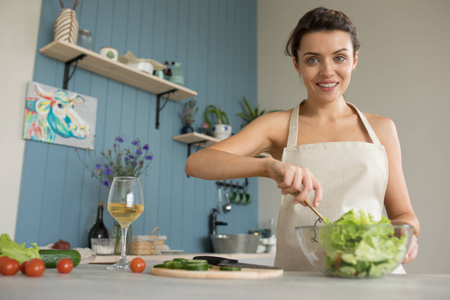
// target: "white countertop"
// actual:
[[260, 258], [93, 281]]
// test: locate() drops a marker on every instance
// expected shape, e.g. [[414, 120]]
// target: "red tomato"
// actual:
[[35, 267], [137, 265], [22, 267], [9, 267], [3, 258], [64, 265]]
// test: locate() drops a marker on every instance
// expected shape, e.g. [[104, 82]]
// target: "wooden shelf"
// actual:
[[98, 64], [196, 138]]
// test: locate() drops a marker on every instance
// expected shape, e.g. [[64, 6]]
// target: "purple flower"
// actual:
[[119, 139], [135, 143], [98, 166], [146, 147], [106, 183], [125, 159], [139, 151], [149, 157], [108, 171], [131, 156]]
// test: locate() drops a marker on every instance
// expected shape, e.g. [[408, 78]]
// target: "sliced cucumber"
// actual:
[[197, 267], [229, 269]]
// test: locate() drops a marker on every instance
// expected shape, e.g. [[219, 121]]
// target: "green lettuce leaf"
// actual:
[[354, 248], [18, 252]]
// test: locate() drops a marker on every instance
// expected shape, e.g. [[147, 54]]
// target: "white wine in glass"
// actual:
[[125, 204]]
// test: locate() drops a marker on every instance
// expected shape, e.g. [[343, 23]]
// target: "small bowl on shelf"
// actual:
[[355, 251]]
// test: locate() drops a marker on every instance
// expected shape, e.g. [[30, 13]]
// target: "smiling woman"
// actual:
[[324, 149]]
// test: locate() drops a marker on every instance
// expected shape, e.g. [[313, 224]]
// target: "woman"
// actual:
[[324, 149]]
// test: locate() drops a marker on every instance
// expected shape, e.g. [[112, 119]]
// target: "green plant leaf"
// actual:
[[249, 107]]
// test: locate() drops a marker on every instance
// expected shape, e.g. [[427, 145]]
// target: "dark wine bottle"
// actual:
[[98, 231]]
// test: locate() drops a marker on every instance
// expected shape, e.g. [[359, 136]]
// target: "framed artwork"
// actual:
[[57, 116]]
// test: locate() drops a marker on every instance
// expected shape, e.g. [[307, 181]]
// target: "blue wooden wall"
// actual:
[[216, 42]]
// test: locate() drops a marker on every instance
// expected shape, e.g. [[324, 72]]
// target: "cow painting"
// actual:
[[53, 116]]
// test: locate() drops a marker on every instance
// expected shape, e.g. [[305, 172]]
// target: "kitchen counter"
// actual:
[[256, 258], [93, 281]]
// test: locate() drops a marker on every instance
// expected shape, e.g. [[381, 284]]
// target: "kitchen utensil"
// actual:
[[219, 200], [357, 251], [281, 178], [227, 206], [227, 262]]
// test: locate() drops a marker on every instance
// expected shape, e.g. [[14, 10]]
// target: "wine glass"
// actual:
[[125, 204]]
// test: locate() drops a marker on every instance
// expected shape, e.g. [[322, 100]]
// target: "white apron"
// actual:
[[353, 175]]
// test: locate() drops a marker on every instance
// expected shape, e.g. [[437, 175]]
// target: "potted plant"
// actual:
[[187, 115], [220, 125], [250, 113]]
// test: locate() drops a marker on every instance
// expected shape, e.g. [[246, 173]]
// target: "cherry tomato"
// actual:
[[22, 267], [9, 267], [3, 258], [35, 267], [64, 265], [137, 265]]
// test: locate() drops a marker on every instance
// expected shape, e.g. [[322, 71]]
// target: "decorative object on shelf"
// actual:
[[188, 111], [146, 65], [159, 74], [86, 39], [66, 25], [132, 161], [250, 113], [220, 128], [58, 116], [177, 74], [110, 53], [168, 69], [204, 128]]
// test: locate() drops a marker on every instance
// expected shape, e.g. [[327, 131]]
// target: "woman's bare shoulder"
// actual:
[[383, 126]]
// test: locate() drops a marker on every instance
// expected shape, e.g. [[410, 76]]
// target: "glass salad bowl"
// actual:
[[355, 251]]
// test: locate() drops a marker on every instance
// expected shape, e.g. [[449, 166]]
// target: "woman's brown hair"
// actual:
[[320, 19]]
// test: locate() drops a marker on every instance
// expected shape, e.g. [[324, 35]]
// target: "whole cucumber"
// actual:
[[51, 257]]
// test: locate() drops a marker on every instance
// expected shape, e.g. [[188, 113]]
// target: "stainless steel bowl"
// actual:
[[235, 243]]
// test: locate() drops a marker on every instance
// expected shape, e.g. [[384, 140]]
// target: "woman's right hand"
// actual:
[[295, 180]]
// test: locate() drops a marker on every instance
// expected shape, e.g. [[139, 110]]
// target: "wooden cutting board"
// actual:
[[215, 273]]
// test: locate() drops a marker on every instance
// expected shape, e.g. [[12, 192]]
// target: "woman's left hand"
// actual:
[[412, 251]]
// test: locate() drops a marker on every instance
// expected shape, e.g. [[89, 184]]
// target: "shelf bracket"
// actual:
[[158, 104], [67, 69]]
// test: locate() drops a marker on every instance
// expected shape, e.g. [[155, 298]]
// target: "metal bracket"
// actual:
[[236, 186], [158, 104], [67, 69]]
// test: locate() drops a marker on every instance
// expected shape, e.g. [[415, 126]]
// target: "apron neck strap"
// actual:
[[293, 127], [366, 123]]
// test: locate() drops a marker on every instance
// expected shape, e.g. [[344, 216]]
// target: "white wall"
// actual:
[[402, 73], [19, 23]]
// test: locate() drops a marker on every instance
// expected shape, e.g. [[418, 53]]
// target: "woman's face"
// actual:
[[326, 61]]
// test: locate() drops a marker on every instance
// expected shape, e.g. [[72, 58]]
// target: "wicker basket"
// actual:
[[147, 244]]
